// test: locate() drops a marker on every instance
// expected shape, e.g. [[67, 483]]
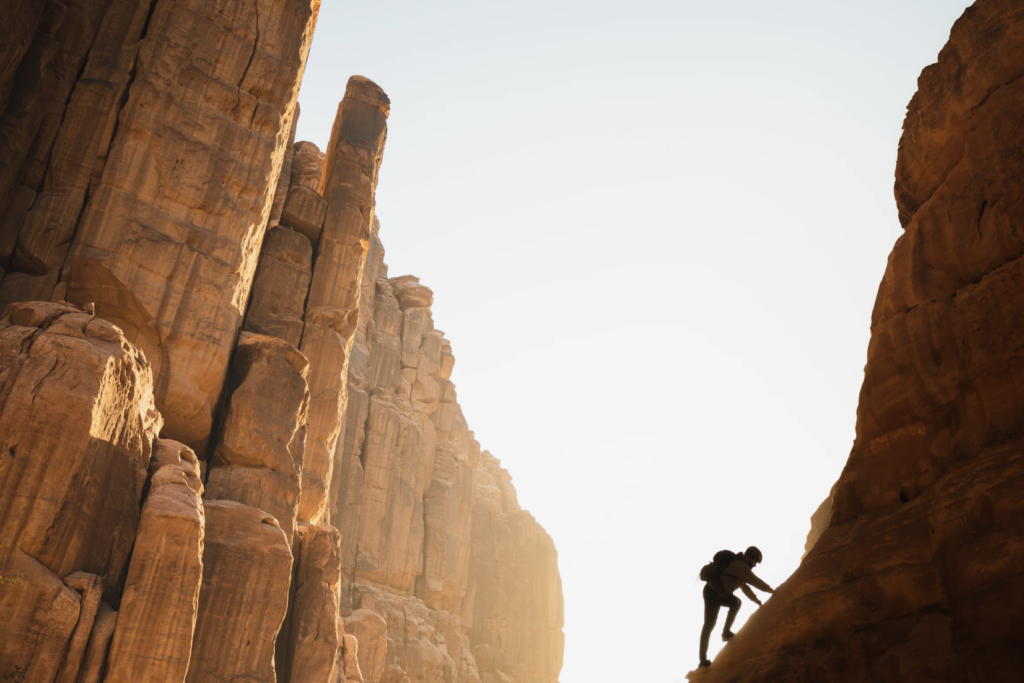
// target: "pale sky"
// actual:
[[654, 231]]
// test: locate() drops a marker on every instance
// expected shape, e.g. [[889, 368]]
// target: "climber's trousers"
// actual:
[[712, 603]]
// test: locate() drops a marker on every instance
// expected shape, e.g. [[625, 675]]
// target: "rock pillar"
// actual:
[[348, 186]]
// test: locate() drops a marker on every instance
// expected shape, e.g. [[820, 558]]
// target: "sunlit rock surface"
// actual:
[[239, 454], [457, 566], [153, 641], [76, 430], [920, 573]]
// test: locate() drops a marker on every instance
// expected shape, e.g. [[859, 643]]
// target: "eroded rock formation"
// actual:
[[920, 572], [230, 448], [446, 572]]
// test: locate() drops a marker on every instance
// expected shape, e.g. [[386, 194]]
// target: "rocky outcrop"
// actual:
[[819, 522], [455, 565], [186, 491], [259, 452], [160, 133], [281, 284], [313, 632], [920, 573], [153, 641], [515, 589], [348, 185], [99, 644], [77, 424], [246, 572]]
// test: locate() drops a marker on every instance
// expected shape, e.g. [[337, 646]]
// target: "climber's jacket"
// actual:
[[738, 575]]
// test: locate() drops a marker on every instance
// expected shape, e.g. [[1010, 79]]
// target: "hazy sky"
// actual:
[[654, 231]]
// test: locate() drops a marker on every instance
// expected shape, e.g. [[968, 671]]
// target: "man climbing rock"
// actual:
[[727, 572]]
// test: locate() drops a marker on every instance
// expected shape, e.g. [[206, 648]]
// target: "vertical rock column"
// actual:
[[313, 636], [76, 428], [348, 186], [244, 597], [82, 142], [347, 482], [286, 261], [258, 457], [153, 638], [91, 587], [188, 183], [99, 644], [35, 107]]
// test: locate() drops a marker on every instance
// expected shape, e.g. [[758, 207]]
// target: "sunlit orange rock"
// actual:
[[348, 186], [76, 427], [152, 641], [258, 455], [246, 571]]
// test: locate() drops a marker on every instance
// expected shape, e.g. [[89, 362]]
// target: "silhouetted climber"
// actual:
[[724, 574]]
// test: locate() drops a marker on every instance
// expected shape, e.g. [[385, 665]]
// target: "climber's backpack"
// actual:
[[712, 571]]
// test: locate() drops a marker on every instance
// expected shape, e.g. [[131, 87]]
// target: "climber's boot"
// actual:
[[726, 635]]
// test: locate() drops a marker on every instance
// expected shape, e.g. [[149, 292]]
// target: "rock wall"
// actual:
[[148, 192], [920, 572], [230, 448], [456, 571]]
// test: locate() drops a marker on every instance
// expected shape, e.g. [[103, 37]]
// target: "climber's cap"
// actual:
[[753, 553]]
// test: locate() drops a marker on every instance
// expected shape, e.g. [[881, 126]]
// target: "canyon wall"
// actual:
[[919, 574], [230, 447]]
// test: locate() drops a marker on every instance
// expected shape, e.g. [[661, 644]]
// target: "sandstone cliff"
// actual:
[[229, 446], [919, 575]]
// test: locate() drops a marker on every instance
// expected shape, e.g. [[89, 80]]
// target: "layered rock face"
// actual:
[[920, 572], [148, 193], [457, 571], [230, 448], [77, 425]]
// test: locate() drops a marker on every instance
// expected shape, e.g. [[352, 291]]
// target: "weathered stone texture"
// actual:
[[819, 522], [90, 587], [99, 644], [370, 632], [920, 573], [46, 230], [76, 425], [180, 290], [284, 179], [304, 211], [281, 284], [313, 631], [153, 639], [246, 571], [43, 80], [149, 175], [515, 588], [308, 168], [40, 612], [348, 185], [258, 457], [418, 509]]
